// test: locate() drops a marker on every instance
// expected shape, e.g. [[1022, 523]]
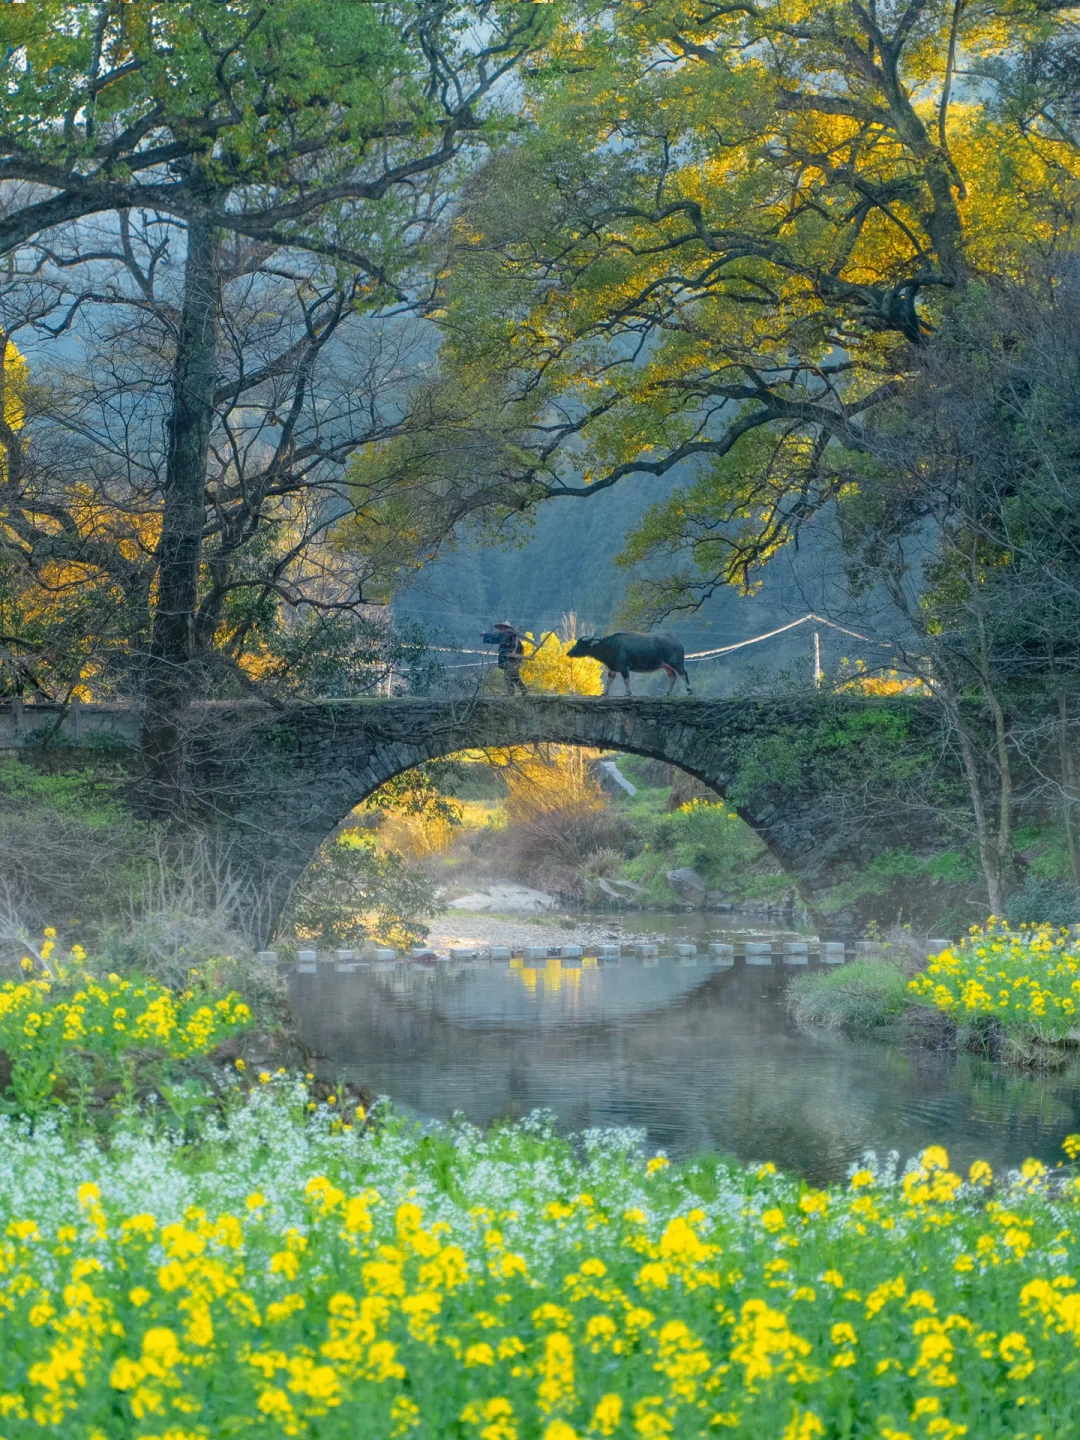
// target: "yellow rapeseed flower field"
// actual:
[[66, 1021], [378, 1297], [286, 1273]]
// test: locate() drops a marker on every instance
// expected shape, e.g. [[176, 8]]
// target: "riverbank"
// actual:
[[470, 930], [1010, 994]]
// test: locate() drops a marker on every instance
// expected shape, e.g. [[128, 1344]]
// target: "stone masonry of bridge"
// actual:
[[329, 755], [276, 781]]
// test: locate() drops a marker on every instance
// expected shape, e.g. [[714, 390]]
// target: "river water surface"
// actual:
[[699, 1057]]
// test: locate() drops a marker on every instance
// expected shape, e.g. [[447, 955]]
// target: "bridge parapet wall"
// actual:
[[20, 722]]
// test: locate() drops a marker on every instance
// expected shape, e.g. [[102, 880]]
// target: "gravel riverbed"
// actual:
[[455, 927]]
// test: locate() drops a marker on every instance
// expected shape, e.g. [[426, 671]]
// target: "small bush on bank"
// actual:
[[354, 892], [704, 836], [67, 1034], [557, 848], [859, 995], [1043, 901]]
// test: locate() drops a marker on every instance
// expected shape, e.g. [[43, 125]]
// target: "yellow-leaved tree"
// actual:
[[550, 671], [727, 234]]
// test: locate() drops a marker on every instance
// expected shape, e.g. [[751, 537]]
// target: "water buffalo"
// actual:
[[627, 650]]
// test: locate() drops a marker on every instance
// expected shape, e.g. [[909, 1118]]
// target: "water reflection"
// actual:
[[700, 1057]]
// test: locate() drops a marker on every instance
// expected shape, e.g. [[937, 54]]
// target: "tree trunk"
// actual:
[[989, 854], [1068, 785], [172, 639]]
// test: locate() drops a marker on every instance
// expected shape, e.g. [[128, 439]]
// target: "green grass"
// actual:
[[705, 836], [859, 995]]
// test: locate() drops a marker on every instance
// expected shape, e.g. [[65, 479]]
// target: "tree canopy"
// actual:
[[727, 232], [197, 201]]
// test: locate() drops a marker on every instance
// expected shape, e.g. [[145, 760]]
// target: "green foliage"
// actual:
[[702, 835], [355, 891], [952, 866], [1043, 901], [832, 749], [637, 288], [426, 793]]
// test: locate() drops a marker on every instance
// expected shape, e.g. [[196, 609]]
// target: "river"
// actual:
[[698, 1056]]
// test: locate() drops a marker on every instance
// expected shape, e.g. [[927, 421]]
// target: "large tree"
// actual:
[[958, 525], [329, 131], [730, 229]]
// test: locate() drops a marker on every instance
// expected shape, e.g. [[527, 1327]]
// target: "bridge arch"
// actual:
[[328, 756]]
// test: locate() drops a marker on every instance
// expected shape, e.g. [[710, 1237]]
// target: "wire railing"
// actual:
[[696, 655]]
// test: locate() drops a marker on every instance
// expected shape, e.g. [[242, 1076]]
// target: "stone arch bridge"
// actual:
[[820, 815], [826, 781]]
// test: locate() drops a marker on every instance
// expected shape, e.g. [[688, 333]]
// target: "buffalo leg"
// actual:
[[610, 678], [626, 680], [670, 672]]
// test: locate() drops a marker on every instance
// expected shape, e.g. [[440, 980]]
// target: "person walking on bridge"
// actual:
[[510, 654]]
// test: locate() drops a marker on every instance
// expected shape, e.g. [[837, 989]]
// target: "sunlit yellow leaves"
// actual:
[[721, 203], [550, 671]]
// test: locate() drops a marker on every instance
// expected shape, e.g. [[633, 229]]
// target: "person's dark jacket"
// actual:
[[509, 644]]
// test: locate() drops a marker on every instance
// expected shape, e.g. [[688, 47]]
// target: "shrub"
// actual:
[[1041, 901], [556, 847], [69, 848], [354, 892]]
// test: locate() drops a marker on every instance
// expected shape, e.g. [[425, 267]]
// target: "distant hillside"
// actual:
[[565, 563]]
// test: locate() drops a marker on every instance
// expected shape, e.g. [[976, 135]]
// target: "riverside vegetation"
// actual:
[[293, 1270], [1014, 991]]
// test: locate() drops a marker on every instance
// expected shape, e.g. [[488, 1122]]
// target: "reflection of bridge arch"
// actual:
[[280, 781]]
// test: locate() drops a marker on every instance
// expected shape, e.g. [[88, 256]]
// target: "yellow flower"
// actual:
[[607, 1415], [658, 1162], [814, 1202], [264, 1077], [241, 1065], [804, 1425], [935, 1157]]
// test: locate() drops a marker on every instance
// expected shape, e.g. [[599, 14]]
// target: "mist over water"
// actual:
[[696, 1056]]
